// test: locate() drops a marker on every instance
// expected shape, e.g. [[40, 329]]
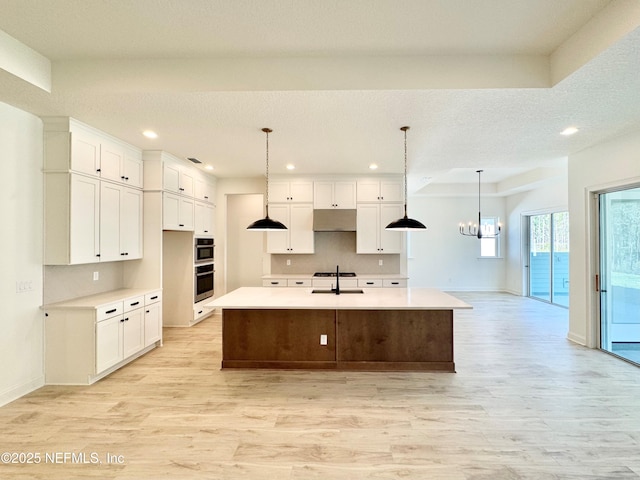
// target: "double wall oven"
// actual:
[[203, 258]]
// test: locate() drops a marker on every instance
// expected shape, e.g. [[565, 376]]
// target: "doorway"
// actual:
[[549, 257], [244, 248], [619, 273]]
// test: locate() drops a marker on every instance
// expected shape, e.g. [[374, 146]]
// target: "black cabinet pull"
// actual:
[[122, 177], [111, 311], [154, 297], [122, 320], [299, 283], [369, 283], [97, 254], [181, 224], [199, 312], [98, 170], [148, 311], [126, 319], [134, 304], [395, 283]]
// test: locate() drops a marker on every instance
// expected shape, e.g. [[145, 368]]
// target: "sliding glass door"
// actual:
[[619, 276], [549, 257]]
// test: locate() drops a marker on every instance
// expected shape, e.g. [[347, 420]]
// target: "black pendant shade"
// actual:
[[266, 223], [405, 223]]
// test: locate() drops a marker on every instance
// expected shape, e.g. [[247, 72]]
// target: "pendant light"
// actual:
[[476, 230], [266, 223], [405, 223]]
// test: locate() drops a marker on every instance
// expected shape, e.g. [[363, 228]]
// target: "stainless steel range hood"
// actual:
[[334, 220]]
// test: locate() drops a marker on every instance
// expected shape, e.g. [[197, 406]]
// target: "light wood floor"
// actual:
[[525, 403]]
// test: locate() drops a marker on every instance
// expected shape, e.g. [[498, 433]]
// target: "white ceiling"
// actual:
[[483, 84]]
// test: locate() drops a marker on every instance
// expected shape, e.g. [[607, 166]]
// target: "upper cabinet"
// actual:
[[93, 201], [188, 194], [389, 190], [73, 146], [291, 191], [334, 194]]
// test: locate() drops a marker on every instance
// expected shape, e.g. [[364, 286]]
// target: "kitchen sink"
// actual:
[[345, 290]]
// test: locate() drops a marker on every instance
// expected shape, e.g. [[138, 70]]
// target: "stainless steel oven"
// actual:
[[203, 250], [203, 282]]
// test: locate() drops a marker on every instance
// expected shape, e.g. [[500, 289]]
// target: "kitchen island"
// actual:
[[379, 329]]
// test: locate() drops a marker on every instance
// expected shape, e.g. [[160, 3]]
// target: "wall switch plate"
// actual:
[[96, 276], [380, 262], [288, 262], [323, 339]]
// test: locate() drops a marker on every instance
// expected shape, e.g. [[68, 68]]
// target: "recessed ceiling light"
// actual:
[[373, 166], [150, 134], [569, 131], [208, 167], [291, 166]]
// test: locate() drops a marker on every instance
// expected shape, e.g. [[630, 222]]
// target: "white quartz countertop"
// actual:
[[372, 298], [100, 299], [306, 276]]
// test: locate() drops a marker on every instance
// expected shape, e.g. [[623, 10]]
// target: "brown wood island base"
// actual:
[[357, 339]]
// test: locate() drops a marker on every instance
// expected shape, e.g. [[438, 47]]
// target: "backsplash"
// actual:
[[63, 282], [335, 248]]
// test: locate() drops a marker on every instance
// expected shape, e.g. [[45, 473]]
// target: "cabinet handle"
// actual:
[[126, 319], [181, 189], [122, 177], [275, 283], [122, 320], [369, 283], [97, 254], [134, 304], [98, 170], [200, 312], [111, 311], [299, 283], [181, 224], [154, 297], [206, 198], [206, 231], [395, 283]]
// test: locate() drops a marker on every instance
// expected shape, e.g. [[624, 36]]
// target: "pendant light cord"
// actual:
[[267, 131], [404, 129]]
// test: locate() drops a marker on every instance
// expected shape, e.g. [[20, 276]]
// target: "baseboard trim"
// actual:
[[18, 391], [579, 339]]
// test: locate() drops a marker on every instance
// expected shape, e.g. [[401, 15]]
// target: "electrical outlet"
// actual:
[[288, 262], [24, 286], [380, 262], [323, 339], [96, 276]]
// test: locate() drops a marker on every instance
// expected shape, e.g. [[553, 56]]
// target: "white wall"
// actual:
[[550, 197], [21, 247], [607, 165], [244, 247], [442, 258]]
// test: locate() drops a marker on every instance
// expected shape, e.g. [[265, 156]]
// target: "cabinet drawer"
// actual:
[[299, 282], [369, 283], [200, 312], [133, 303], [153, 297], [398, 283], [280, 282], [110, 310]]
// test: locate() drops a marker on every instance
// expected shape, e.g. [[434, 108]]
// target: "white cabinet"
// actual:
[[108, 344], [284, 191], [85, 153], [177, 212], [371, 236], [298, 238], [204, 190], [152, 318], [92, 197], [120, 222], [203, 218], [178, 178], [334, 194], [89, 337], [383, 190]]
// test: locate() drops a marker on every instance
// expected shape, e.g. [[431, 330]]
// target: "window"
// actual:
[[489, 246]]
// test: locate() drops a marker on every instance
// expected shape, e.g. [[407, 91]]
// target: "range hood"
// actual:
[[334, 220]]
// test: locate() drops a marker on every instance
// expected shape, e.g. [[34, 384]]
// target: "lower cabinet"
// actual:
[[87, 338]]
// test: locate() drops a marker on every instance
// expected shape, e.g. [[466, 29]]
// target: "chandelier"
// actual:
[[478, 230]]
